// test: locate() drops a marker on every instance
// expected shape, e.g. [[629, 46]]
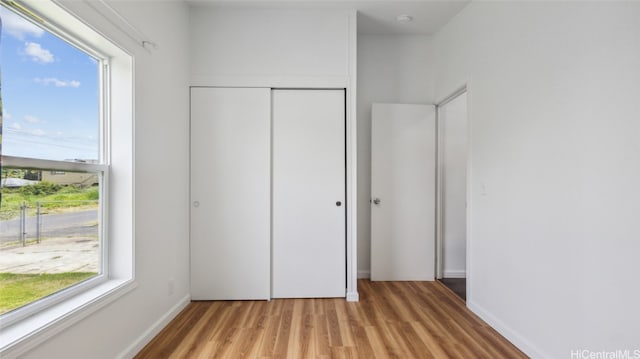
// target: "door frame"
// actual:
[[439, 242]]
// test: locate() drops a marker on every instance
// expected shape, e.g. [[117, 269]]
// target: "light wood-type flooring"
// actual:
[[392, 320]]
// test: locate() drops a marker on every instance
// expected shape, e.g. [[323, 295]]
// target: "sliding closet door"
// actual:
[[230, 193], [308, 193]]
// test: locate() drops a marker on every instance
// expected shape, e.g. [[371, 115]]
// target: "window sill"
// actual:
[[20, 337]]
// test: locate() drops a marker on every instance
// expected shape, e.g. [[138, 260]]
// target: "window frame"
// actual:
[[101, 169], [40, 320]]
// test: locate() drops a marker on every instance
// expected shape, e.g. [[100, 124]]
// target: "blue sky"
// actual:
[[50, 94]]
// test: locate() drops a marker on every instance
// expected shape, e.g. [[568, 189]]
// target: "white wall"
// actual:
[[242, 46], [161, 186], [554, 109], [394, 69]]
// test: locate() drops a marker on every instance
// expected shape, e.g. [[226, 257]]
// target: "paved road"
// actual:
[[82, 223]]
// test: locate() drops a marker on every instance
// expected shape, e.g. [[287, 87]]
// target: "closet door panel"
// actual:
[[308, 194], [230, 193]]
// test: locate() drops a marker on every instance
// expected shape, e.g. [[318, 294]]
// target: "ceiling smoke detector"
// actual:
[[403, 19]]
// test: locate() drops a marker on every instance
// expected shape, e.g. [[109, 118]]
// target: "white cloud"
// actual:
[[16, 126], [18, 27], [30, 119], [6, 116], [37, 53], [38, 132], [57, 83]]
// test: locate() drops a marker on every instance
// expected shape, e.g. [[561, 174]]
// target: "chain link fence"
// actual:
[[31, 222]]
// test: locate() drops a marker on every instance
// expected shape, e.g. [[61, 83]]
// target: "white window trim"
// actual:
[[35, 163], [28, 333], [19, 337]]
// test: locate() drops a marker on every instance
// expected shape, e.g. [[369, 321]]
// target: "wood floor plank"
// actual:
[[282, 343], [392, 320], [403, 343], [270, 337], [361, 342], [322, 336], [333, 325], [203, 328], [344, 322], [344, 353], [431, 342], [380, 350], [246, 343]]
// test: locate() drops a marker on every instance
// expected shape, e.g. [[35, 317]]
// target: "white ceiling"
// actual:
[[374, 16]]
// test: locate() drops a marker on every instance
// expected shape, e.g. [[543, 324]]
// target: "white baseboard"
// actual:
[[352, 297], [513, 336], [455, 273], [155, 328], [364, 274]]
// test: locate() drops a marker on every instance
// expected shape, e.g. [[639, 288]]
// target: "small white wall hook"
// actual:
[[149, 45]]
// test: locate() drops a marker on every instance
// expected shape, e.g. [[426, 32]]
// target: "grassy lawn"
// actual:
[[17, 290], [53, 200]]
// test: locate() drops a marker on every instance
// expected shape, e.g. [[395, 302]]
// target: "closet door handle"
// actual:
[[338, 203]]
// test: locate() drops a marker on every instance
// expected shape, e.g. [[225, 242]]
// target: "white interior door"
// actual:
[[309, 223], [403, 161], [230, 193]]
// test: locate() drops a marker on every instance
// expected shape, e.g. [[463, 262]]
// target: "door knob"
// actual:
[[196, 204], [376, 201], [338, 203]]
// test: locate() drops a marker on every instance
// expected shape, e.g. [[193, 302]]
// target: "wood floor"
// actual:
[[392, 320]]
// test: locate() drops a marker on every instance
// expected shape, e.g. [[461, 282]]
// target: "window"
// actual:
[[67, 172], [55, 166]]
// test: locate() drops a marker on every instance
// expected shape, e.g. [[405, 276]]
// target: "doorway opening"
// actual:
[[451, 193]]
